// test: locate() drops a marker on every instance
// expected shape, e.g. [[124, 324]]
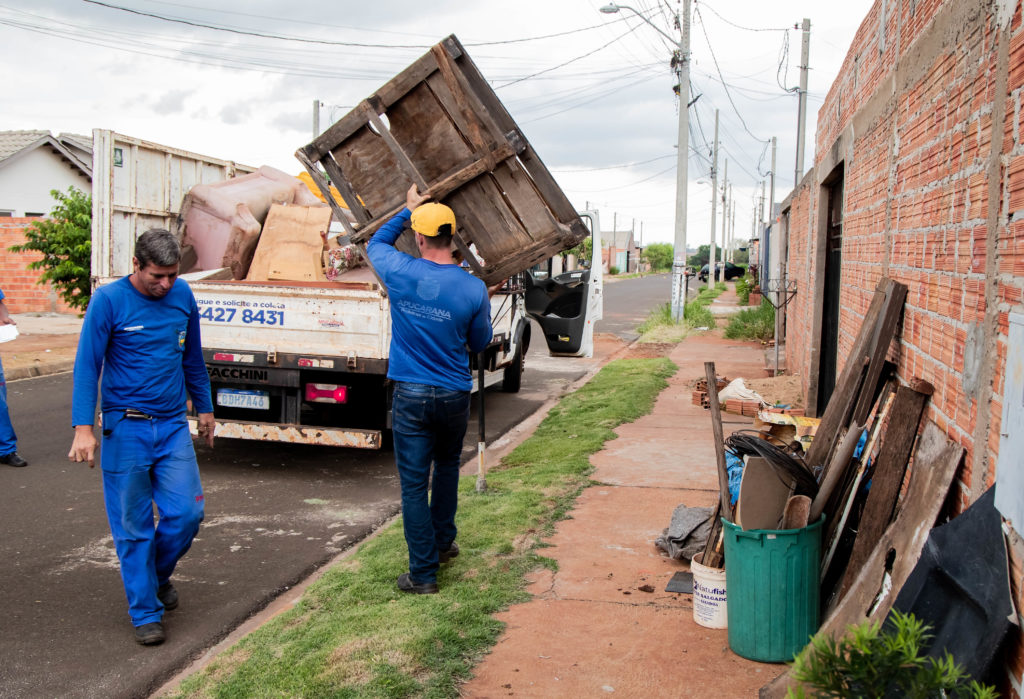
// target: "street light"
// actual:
[[681, 64]]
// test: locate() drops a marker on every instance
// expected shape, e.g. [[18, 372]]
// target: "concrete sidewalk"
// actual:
[[46, 344], [603, 622]]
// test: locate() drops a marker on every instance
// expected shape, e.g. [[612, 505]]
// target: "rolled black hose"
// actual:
[[788, 466]]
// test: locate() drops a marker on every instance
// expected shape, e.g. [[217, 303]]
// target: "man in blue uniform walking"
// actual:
[[8, 440], [439, 313], [142, 332]]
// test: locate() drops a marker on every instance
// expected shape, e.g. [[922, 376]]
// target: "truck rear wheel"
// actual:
[[512, 378]]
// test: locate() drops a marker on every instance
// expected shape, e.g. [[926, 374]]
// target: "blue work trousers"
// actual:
[[146, 461], [429, 424], [8, 441]]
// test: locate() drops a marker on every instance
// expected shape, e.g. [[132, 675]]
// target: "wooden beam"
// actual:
[[887, 478]]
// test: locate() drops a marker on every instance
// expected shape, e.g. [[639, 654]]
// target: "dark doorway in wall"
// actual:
[[833, 276]]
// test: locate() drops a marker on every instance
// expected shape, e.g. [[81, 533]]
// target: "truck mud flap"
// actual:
[[295, 434]]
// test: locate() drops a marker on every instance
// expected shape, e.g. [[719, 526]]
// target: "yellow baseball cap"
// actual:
[[427, 219]]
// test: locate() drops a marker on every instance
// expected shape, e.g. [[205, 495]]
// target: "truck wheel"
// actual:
[[512, 378]]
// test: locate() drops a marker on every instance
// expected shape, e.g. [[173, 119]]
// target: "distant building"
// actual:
[[619, 249], [34, 162]]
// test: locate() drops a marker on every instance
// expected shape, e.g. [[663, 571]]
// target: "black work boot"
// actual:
[[405, 584], [168, 596], [449, 554], [13, 459], [150, 634]]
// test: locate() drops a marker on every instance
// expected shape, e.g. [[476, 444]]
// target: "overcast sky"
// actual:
[[591, 91]]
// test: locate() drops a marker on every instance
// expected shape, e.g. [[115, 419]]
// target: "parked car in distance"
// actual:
[[731, 272]]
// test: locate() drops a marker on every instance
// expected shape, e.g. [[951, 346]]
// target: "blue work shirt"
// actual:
[[148, 349], [437, 312]]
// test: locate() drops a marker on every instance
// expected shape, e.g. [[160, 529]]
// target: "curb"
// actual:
[[44, 369]]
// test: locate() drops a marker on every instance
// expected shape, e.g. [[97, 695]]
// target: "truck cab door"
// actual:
[[567, 304]]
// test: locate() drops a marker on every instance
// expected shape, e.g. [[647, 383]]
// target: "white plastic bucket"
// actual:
[[709, 608]]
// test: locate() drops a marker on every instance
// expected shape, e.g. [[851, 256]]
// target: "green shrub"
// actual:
[[752, 323], [613, 270], [869, 662]]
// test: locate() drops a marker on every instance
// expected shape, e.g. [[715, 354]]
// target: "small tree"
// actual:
[[658, 256], [701, 257], [64, 239]]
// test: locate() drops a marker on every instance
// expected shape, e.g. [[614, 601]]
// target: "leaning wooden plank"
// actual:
[[876, 585], [890, 469], [840, 405], [884, 333], [855, 393], [716, 431]]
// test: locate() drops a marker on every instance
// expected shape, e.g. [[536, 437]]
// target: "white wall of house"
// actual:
[[26, 182]]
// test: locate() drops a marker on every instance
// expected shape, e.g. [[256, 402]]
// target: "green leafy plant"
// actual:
[[743, 286], [658, 256], [870, 662], [613, 270], [752, 323], [700, 258], [65, 240]]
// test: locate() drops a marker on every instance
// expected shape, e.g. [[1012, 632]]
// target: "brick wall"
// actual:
[[927, 120], [23, 294]]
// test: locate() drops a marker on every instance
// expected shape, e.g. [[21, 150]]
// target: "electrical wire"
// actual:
[[720, 76], [746, 29]]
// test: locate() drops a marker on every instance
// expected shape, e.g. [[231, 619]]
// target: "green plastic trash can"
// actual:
[[772, 579]]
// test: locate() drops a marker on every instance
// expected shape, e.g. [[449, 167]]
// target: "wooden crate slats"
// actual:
[[479, 86], [325, 186], [438, 124], [405, 163], [490, 224], [361, 160]]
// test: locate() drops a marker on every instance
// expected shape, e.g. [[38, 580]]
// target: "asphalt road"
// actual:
[[628, 302], [274, 514]]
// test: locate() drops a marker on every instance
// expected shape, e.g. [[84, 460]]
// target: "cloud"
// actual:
[[235, 113], [172, 101]]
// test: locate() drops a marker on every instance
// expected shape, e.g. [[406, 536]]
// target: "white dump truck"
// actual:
[[301, 362]]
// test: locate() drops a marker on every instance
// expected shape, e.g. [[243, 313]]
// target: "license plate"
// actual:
[[254, 400]]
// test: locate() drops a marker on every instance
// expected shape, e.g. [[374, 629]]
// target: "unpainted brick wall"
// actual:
[[915, 103], [19, 283]]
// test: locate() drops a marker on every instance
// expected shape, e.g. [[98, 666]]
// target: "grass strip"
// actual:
[[353, 634]]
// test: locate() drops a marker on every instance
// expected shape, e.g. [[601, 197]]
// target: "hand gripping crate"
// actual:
[[439, 124]]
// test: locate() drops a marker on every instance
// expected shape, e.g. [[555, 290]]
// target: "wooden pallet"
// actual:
[[438, 124]]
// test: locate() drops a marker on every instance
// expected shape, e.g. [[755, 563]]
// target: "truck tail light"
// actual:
[[326, 393]]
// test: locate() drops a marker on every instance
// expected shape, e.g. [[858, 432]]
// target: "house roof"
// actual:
[[15, 144], [617, 239]]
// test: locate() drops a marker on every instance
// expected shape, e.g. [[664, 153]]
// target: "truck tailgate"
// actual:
[[291, 318]]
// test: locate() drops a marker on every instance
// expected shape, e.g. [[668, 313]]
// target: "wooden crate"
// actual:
[[439, 124]]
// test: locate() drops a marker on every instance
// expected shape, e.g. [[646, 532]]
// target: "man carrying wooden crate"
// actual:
[[439, 313]]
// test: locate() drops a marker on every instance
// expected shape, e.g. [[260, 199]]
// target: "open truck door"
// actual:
[[566, 305]]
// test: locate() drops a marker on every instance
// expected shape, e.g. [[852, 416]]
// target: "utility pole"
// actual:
[[682, 62], [714, 197], [316, 118], [713, 253], [727, 238], [732, 226], [681, 66], [725, 213], [801, 123]]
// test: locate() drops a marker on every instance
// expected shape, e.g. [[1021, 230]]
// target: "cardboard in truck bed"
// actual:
[[291, 244], [438, 124]]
